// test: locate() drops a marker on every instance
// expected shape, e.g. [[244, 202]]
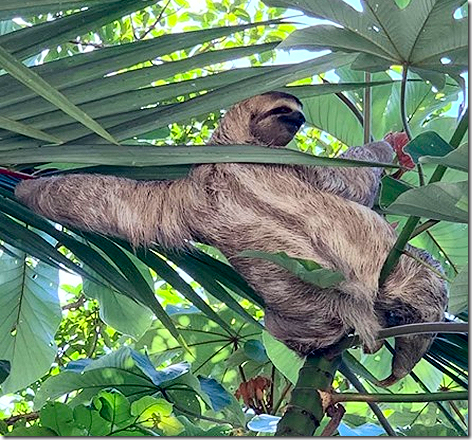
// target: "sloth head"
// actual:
[[270, 119]]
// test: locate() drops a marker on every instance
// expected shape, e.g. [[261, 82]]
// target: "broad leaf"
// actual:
[[438, 201], [457, 159], [284, 359], [29, 317], [382, 34]]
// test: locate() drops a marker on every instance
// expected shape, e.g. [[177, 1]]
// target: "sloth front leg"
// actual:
[[358, 184], [140, 212]]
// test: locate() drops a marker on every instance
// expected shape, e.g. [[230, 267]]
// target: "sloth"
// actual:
[[316, 213]]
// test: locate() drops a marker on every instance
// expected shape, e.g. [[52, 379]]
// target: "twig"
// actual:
[[424, 327], [76, 304], [285, 391], [83, 43], [156, 22], [367, 111], [26, 417], [349, 103], [423, 227], [336, 412], [431, 268], [356, 383], [400, 330], [403, 108]]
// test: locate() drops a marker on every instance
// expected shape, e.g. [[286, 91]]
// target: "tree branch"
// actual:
[[306, 408]]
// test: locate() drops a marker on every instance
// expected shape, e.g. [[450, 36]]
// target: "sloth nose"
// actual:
[[295, 118], [299, 117]]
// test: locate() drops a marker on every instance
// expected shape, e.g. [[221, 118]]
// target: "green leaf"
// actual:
[[384, 35], [129, 383], [307, 270], [192, 430], [42, 88], [29, 317], [219, 397], [390, 189], [90, 420], [330, 114], [438, 201], [284, 359], [132, 283], [427, 143], [459, 292], [255, 351], [114, 408], [26, 130], [226, 96], [457, 159], [31, 431], [58, 417], [5, 368], [173, 278], [156, 412], [119, 311], [210, 279], [129, 359], [125, 92], [178, 155]]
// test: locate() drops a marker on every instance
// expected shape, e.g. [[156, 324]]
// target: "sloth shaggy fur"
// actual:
[[317, 213]]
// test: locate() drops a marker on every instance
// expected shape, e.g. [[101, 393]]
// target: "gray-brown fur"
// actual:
[[309, 212]]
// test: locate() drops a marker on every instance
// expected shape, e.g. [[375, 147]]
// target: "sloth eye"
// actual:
[[282, 110]]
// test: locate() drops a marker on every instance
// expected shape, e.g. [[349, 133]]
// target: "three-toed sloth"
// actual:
[[316, 213]]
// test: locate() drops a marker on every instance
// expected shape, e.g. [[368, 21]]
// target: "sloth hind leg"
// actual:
[[328, 316]]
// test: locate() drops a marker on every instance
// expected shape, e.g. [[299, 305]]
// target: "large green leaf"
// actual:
[[91, 67], [210, 344], [119, 311], [26, 130], [382, 34], [457, 159], [29, 317], [285, 360], [438, 201], [330, 114], [119, 93]]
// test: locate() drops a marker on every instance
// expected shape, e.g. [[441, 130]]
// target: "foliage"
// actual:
[[153, 342]]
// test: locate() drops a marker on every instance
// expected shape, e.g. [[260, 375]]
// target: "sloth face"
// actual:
[[270, 119], [279, 121]]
